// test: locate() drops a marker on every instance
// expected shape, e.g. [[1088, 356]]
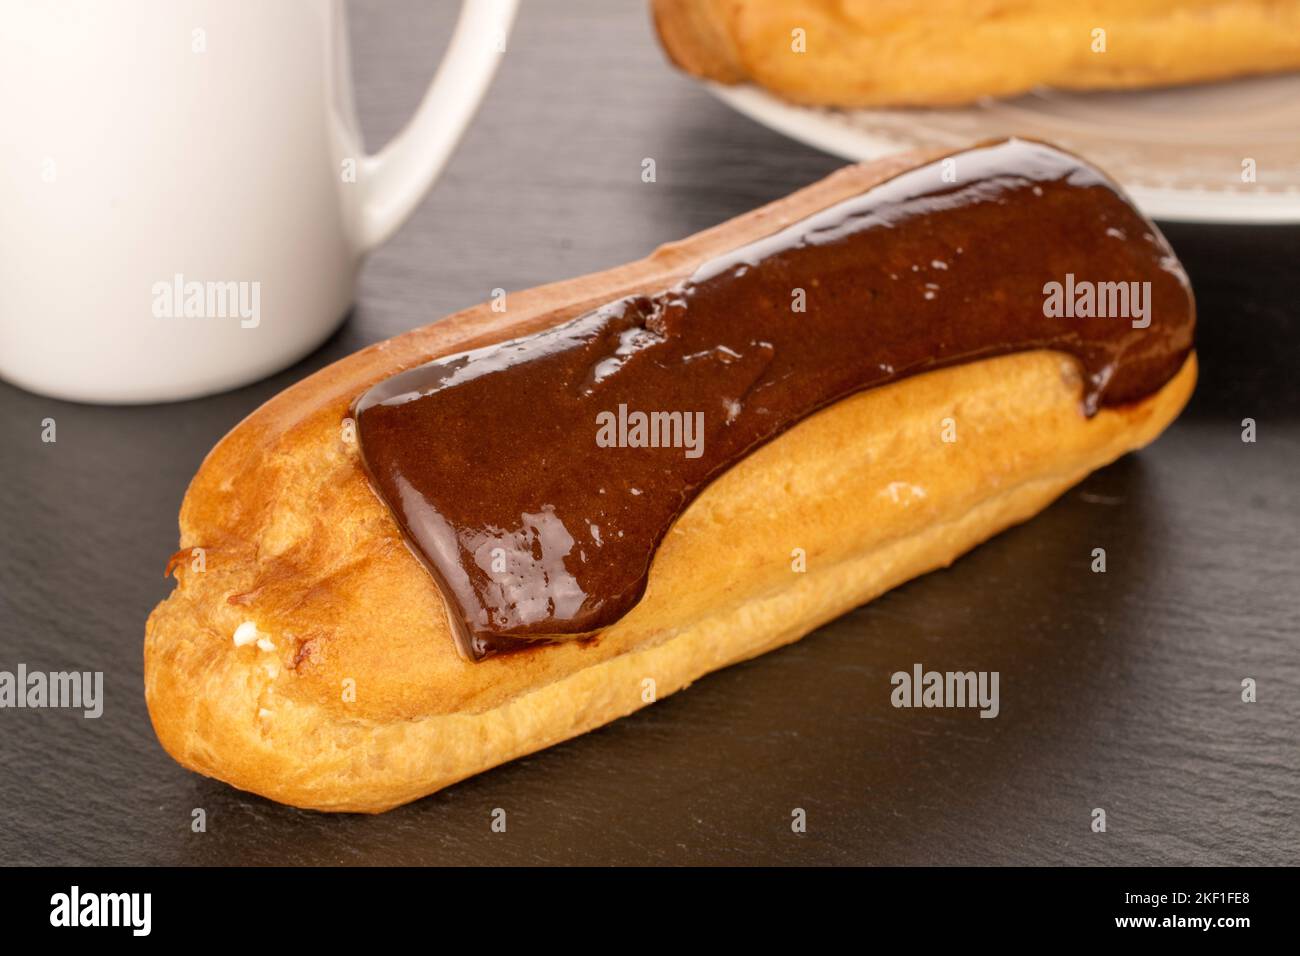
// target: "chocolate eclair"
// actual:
[[493, 533]]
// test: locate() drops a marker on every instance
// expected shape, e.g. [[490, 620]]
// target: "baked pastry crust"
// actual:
[[347, 693], [868, 53]]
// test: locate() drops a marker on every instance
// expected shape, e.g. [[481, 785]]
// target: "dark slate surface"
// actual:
[[1119, 691]]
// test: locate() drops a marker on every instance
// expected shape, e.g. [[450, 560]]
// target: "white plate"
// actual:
[[1179, 152]]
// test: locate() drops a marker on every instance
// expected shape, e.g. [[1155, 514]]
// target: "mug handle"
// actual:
[[397, 177]]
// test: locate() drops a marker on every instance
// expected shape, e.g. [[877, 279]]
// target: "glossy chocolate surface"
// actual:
[[497, 462]]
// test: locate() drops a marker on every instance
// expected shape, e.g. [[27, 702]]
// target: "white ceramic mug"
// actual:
[[184, 195]]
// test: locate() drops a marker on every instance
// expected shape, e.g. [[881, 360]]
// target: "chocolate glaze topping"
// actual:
[[524, 478]]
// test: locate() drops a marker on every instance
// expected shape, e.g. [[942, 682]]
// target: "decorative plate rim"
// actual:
[[826, 130]]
